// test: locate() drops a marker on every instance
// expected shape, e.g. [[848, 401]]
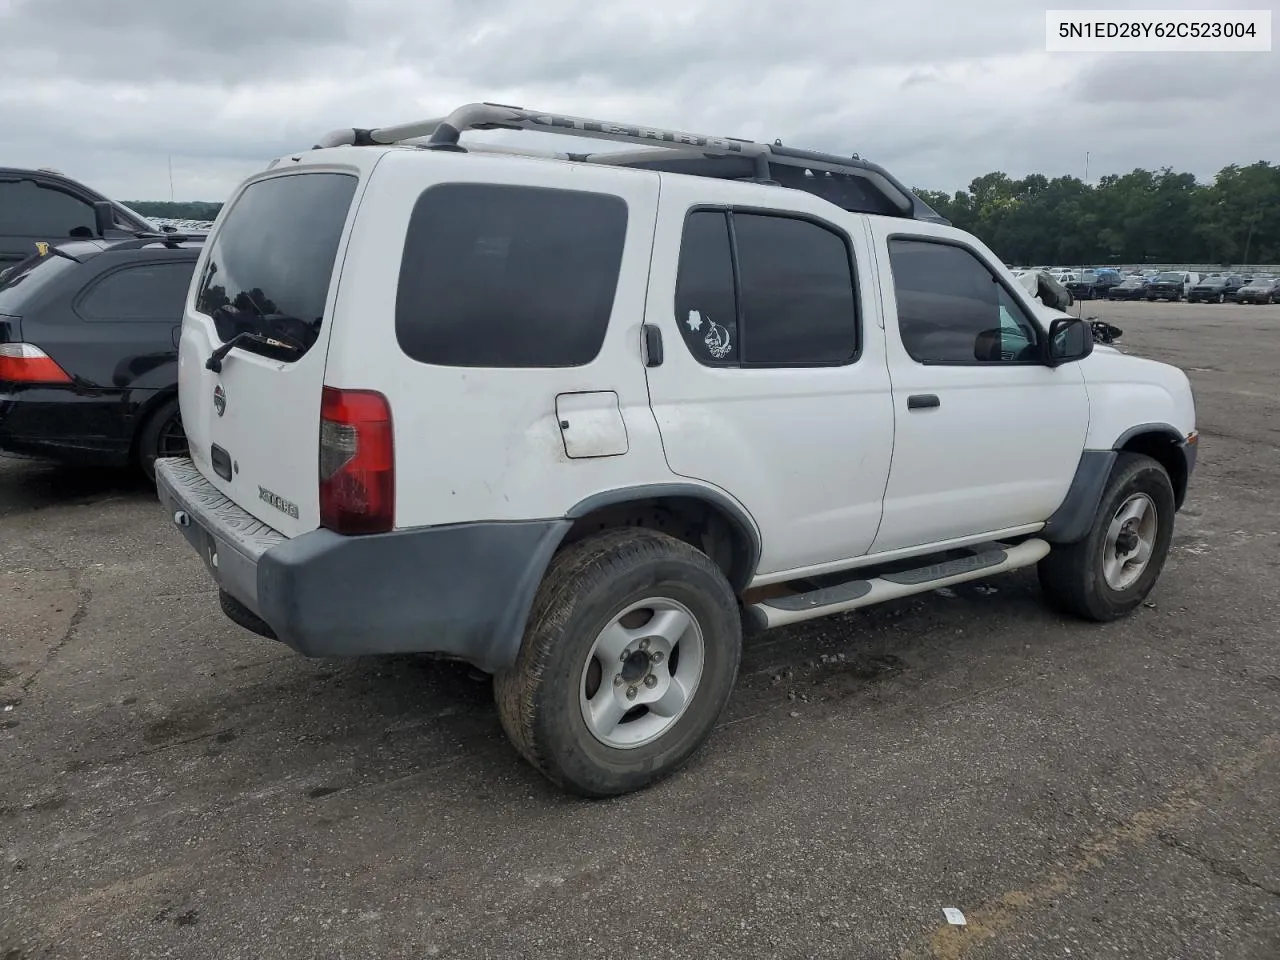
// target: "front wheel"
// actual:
[[1110, 572], [628, 660]]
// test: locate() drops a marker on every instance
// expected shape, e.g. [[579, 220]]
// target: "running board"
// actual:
[[983, 561]]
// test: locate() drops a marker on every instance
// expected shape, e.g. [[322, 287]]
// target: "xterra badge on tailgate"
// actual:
[[277, 501]]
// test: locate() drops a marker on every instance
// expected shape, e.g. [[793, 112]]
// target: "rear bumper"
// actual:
[[54, 423], [462, 590]]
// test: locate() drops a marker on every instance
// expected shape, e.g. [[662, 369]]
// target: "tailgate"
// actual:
[[268, 276]]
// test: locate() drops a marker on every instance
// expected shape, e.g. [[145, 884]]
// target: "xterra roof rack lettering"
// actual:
[[583, 419]]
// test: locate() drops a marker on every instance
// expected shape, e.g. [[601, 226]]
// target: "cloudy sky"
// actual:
[[109, 90]]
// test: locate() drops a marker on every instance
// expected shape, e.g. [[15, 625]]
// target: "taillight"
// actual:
[[24, 363], [357, 462]]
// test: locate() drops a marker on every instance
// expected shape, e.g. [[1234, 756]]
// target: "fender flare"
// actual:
[[1070, 523]]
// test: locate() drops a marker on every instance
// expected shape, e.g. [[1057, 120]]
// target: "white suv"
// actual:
[[580, 419]]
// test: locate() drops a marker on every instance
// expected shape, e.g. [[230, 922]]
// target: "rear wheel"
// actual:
[[1111, 571], [161, 436], [628, 659]]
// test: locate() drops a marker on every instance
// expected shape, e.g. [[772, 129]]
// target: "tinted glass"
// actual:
[[706, 307], [951, 308], [23, 282], [271, 261], [148, 291], [797, 292], [28, 209], [506, 276]]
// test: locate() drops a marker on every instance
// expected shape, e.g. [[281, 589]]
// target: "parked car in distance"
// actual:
[[1259, 291], [1171, 285], [581, 421], [1234, 283], [1093, 284], [44, 206], [1212, 289], [1130, 288], [89, 351]]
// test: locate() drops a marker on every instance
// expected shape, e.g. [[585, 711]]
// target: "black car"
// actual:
[[1212, 289], [1130, 288], [1093, 284], [1234, 283], [44, 207], [1171, 285], [89, 351], [1261, 290]]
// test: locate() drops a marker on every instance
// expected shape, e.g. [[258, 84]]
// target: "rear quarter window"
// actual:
[[142, 291], [509, 276], [271, 262]]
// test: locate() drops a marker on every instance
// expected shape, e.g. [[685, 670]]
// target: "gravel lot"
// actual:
[[174, 787]]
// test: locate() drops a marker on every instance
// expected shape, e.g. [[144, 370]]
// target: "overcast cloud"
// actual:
[[938, 92]]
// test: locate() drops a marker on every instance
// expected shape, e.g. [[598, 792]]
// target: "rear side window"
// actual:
[[797, 292], [271, 261], [791, 303], [148, 291], [509, 276], [706, 298], [28, 209]]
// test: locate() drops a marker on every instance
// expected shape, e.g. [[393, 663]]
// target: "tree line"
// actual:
[[1139, 217], [175, 210]]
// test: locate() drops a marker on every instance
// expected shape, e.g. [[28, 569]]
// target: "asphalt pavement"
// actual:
[[171, 786]]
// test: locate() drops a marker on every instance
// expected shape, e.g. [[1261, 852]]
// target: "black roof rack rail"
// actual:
[[851, 182], [136, 242]]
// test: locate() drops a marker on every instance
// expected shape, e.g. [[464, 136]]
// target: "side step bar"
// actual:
[[984, 561]]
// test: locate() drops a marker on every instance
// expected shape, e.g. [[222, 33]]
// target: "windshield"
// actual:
[[1170, 276], [270, 264]]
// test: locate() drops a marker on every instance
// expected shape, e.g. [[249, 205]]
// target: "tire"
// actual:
[[1073, 575], [544, 699], [1222, 298], [157, 438]]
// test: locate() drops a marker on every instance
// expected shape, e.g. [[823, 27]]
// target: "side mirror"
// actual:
[[104, 217], [1070, 338]]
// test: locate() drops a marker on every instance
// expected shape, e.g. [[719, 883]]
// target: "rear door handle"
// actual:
[[923, 401]]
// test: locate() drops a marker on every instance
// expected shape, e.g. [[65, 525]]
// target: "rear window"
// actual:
[[271, 261], [508, 276], [21, 282]]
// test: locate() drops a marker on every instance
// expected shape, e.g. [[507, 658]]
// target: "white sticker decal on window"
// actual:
[[695, 320], [717, 340]]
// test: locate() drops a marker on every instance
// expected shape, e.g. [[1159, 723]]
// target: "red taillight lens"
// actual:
[[24, 363], [357, 462]]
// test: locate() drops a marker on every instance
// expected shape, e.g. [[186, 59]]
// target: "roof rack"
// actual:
[[850, 182]]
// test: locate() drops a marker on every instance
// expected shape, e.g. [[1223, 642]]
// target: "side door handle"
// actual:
[[652, 345], [923, 401]]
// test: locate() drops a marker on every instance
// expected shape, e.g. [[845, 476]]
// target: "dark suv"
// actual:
[[1215, 289], [89, 350], [43, 206]]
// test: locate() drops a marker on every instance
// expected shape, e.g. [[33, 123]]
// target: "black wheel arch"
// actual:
[[699, 515], [1160, 441]]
